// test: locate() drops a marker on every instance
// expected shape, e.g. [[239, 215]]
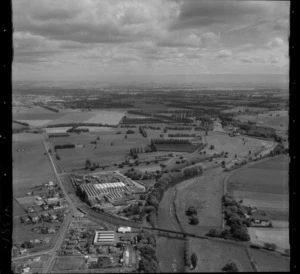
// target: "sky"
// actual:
[[90, 40]]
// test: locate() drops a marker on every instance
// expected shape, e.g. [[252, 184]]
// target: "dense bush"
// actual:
[[230, 267], [191, 211], [194, 220]]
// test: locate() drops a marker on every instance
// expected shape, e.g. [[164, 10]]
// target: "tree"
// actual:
[[194, 220], [212, 147], [213, 233], [230, 267], [194, 260], [88, 164], [191, 211]]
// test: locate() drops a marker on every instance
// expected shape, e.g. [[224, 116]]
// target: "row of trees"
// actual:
[[170, 141], [146, 246], [190, 258], [181, 135], [234, 215], [64, 146], [167, 180]]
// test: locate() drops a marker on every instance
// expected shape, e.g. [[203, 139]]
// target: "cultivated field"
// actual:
[[265, 185], [213, 256]]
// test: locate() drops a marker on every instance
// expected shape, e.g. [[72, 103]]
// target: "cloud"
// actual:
[[93, 21], [194, 13], [224, 53], [276, 42]]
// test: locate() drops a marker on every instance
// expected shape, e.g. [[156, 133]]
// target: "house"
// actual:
[[92, 260], [53, 217], [35, 219], [50, 183], [23, 251], [26, 269], [259, 219], [38, 198], [51, 201], [30, 210], [39, 203], [51, 230]]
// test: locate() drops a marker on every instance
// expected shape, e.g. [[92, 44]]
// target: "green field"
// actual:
[[204, 193], [213, 256], [264, 185], [31, 167], [111, 148], [69, 263], [268, 262]]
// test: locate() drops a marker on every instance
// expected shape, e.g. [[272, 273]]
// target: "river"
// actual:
[[169, 251]]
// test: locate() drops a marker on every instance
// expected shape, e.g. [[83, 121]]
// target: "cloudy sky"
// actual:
[[95, 39]]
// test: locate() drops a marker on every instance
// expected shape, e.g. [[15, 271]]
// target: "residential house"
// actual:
[[258, 219]]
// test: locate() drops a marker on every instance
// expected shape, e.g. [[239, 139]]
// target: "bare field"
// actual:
[[106, 117], [213, 256], [34, 113], [205, 194], [74, 117], [270, 262]]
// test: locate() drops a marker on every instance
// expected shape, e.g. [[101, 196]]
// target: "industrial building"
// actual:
[[104, 237], [110, 190]]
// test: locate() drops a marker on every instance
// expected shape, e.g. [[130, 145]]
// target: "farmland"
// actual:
[[26, 160], [267, 262], [214, 255], [264, 185], [110, 148], [204, 193]]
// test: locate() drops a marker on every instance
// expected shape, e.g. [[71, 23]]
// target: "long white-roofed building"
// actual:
[[104, 237], [109, 190]]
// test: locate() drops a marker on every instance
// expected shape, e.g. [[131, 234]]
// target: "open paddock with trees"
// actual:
[[104, 148], [212, 256], [238, 145], [205, 194]]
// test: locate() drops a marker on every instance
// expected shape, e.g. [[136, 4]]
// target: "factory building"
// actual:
[[104, 238], [109, 190]]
